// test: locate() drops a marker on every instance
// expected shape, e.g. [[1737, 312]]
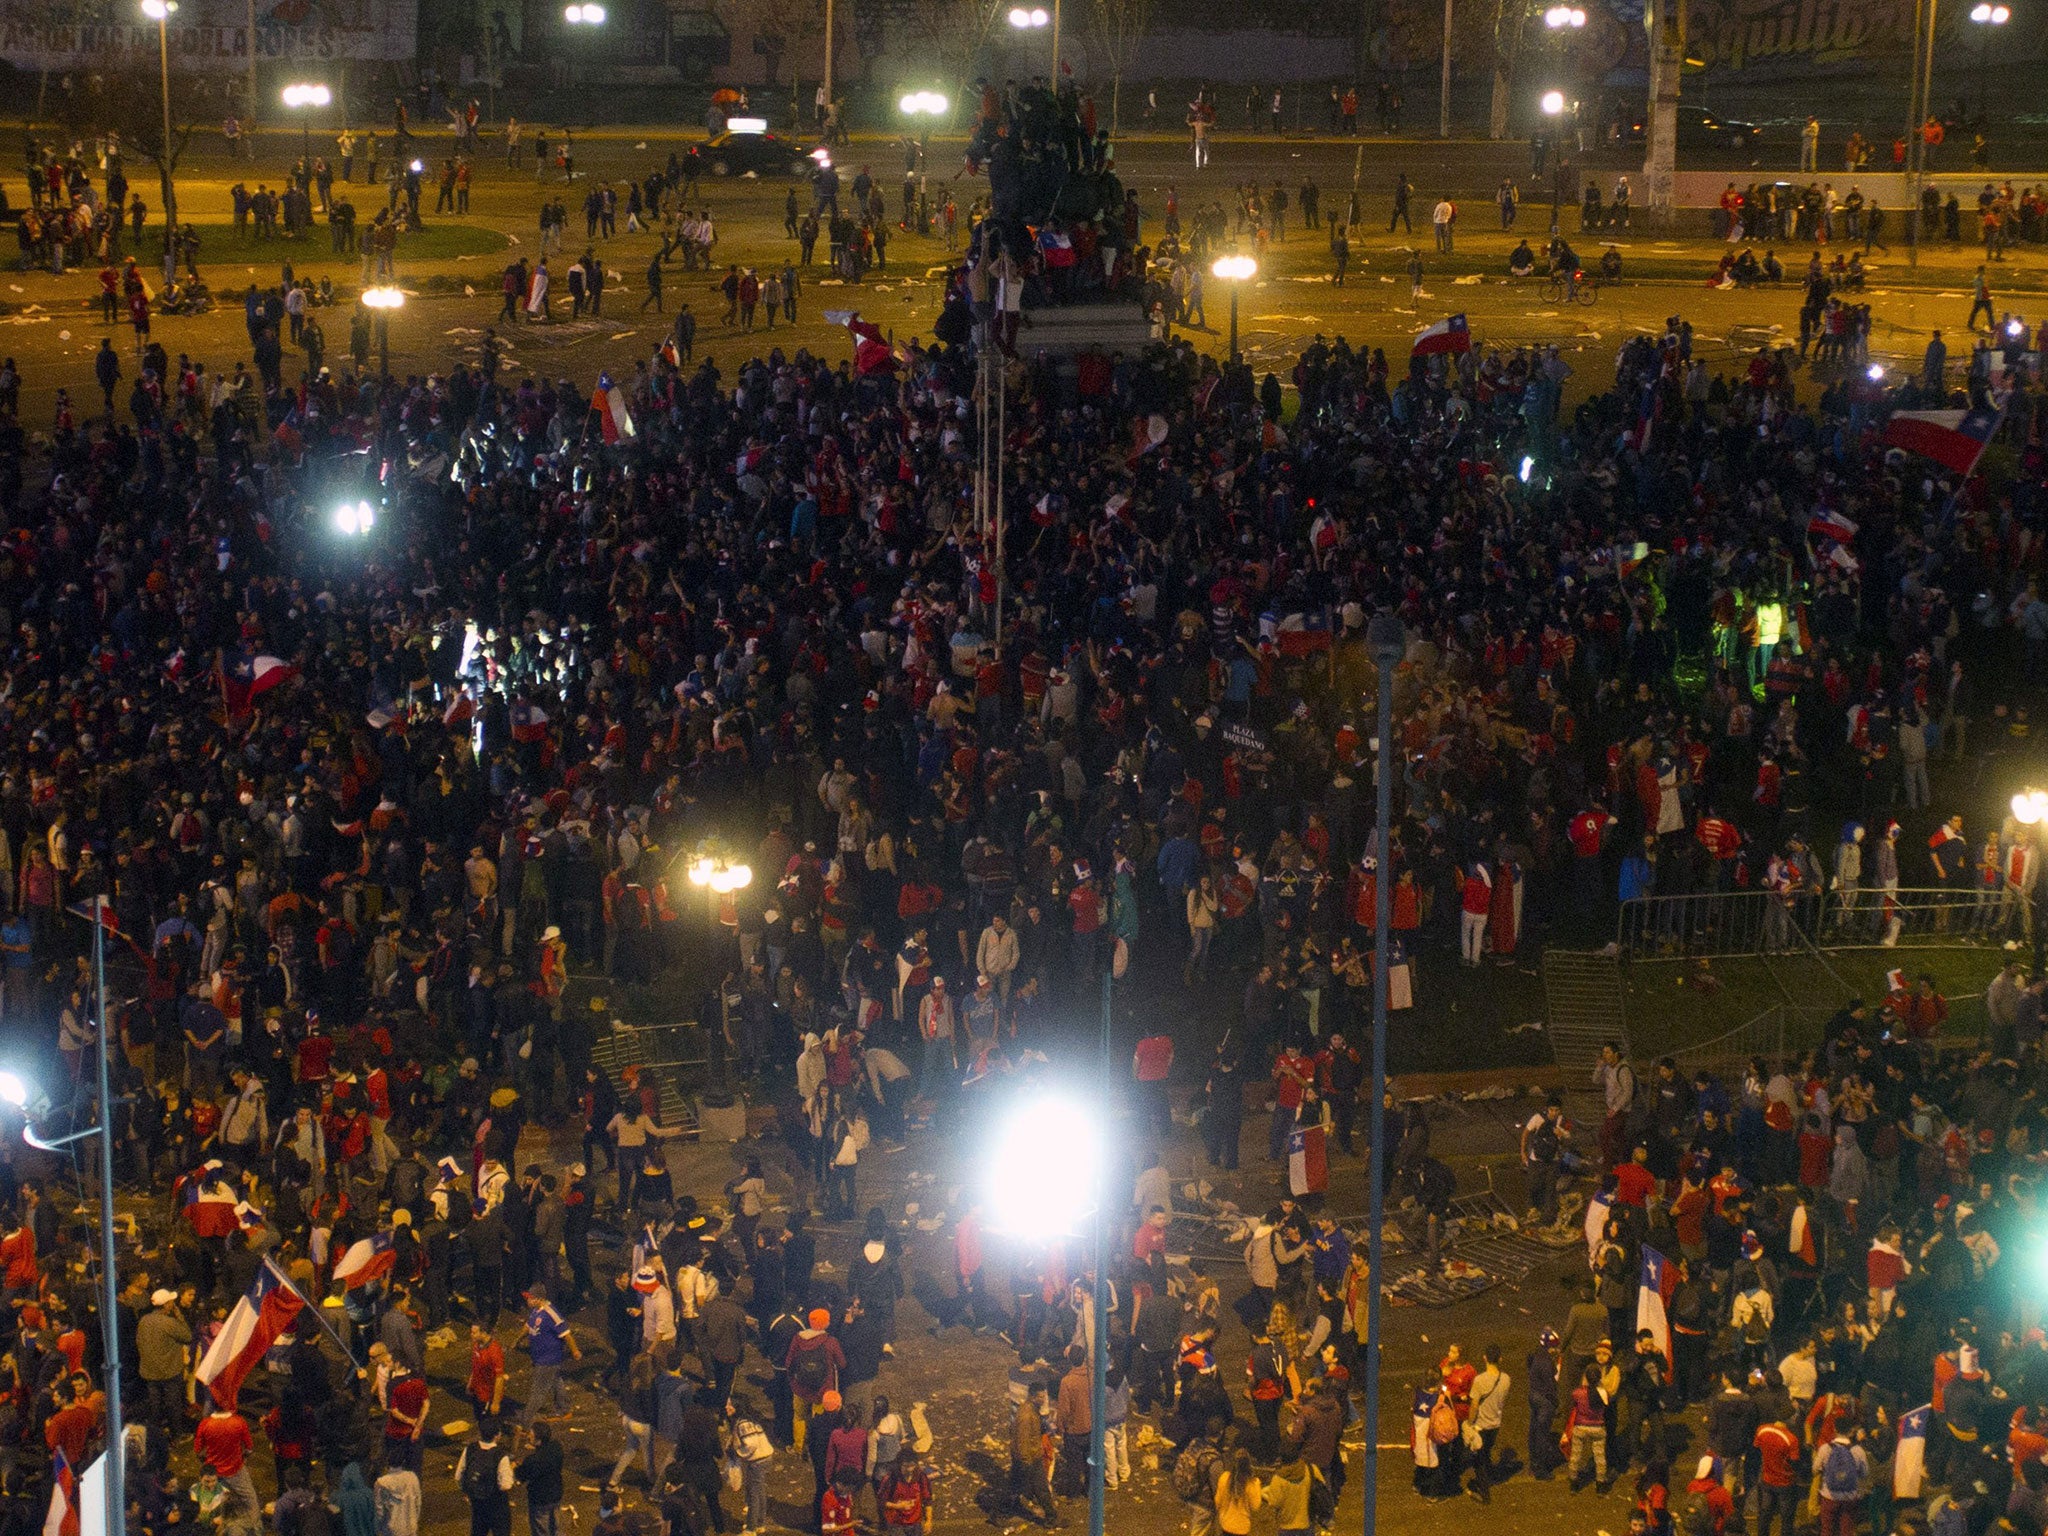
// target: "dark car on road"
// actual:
[[1700, 129], [736, 152]]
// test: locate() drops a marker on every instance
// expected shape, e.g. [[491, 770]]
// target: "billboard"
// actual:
[[208, 34]]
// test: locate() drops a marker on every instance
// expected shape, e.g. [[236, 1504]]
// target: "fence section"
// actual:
[[1714, 924]]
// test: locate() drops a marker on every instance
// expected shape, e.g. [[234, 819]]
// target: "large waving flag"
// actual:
[[1596, 1222], [62, 1519], [871, 351], [1799, 1242], [263, 1316], [207, 1199], [1451, 335], [608, 405], [1953, 439], [367, 1259], [244, 678], [1909, 1467], [529, 721], [1653, 1300], [1308, 1165]]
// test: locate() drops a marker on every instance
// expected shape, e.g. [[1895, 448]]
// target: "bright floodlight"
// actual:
[[1553, 103], [1045, 1168], [2015, 327], [307, 95], [747, 124], [383, 298], [353, 519], [1034, 17], [1235, 269], [1996, 15], [2029, 806], [1875, 372], [922, 104], [159, 10], [584, 15], [1528, 468], [12, 1089]]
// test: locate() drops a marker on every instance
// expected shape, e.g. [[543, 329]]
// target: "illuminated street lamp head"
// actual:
[[1235, 269], [384, 298], [159, 10], [2029, 806], [922, 104], [583, 15], [307, 94], [1559, 17], [1045, 1167], [1553, 103], [354, 519], [1036, 16], [1994, 15]]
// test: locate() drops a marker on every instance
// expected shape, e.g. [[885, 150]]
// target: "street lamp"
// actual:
[[303, 96], [354, 519], [719, 875], [160, 12], [1553, 108], [2029, 807], [384, 300], [583, 15], [1047, 1168], [922, 104], [1031, 18], [1986, 17], [1236, 271]]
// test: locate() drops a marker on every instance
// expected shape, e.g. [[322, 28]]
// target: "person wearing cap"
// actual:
[[814, 1362], [935, 1026], [163, 1349]]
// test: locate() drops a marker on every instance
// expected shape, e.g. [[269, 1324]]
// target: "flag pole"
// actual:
[[313, 1307], [110, 1290]]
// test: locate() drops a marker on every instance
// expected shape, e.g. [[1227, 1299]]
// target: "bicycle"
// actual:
[[1579, 286]]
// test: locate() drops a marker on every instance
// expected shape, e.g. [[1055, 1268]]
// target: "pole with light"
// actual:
[[1388, 641], [583, 16], [1553, 108], [1047, 1171], [1031, 18], [160, 12], [384, 299], [1236, 271], [302, 98], [1564, 22], [1988, 19], [14, 1091], [2030, 810]]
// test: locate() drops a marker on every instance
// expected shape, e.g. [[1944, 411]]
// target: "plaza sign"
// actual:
[[214, 34]]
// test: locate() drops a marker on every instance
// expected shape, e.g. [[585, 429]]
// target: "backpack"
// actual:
[[1543, 1147], [1840, 1477], [1194, 1473], [1264, 1369], [1443, 1421], [480, 1473], [1696, 1517], [810, 1372]]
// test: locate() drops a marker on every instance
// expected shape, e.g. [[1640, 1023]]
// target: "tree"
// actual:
[[128, 100], [1119, 26]]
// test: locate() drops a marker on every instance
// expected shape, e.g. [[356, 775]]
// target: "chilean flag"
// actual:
[[1452, 335], [244, 678], [208, 1202], [263, 1316], [1308, 1164], [529, 721], [367, 1259], [871, 352], [100, 908], [1596, 1208], [1832, 525], [1953, 439], [608, 405], [1909, 1467], [1653, 1299], [1800, 1241], [62, 1519], [459, 709]]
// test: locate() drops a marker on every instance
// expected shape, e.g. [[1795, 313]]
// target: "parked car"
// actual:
[[1700, 129]]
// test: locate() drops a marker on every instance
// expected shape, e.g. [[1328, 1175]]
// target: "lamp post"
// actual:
[[384, 300], [582, 16], [1388, 640], [1988, 19], [302, 98], [14, 1091], [1046, 1168], [1553, 108], [1564, 22], [1234, 270], [160, 12], [1030, 19]]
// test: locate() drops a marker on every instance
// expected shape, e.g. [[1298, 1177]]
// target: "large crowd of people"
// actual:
[[378, 814]]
